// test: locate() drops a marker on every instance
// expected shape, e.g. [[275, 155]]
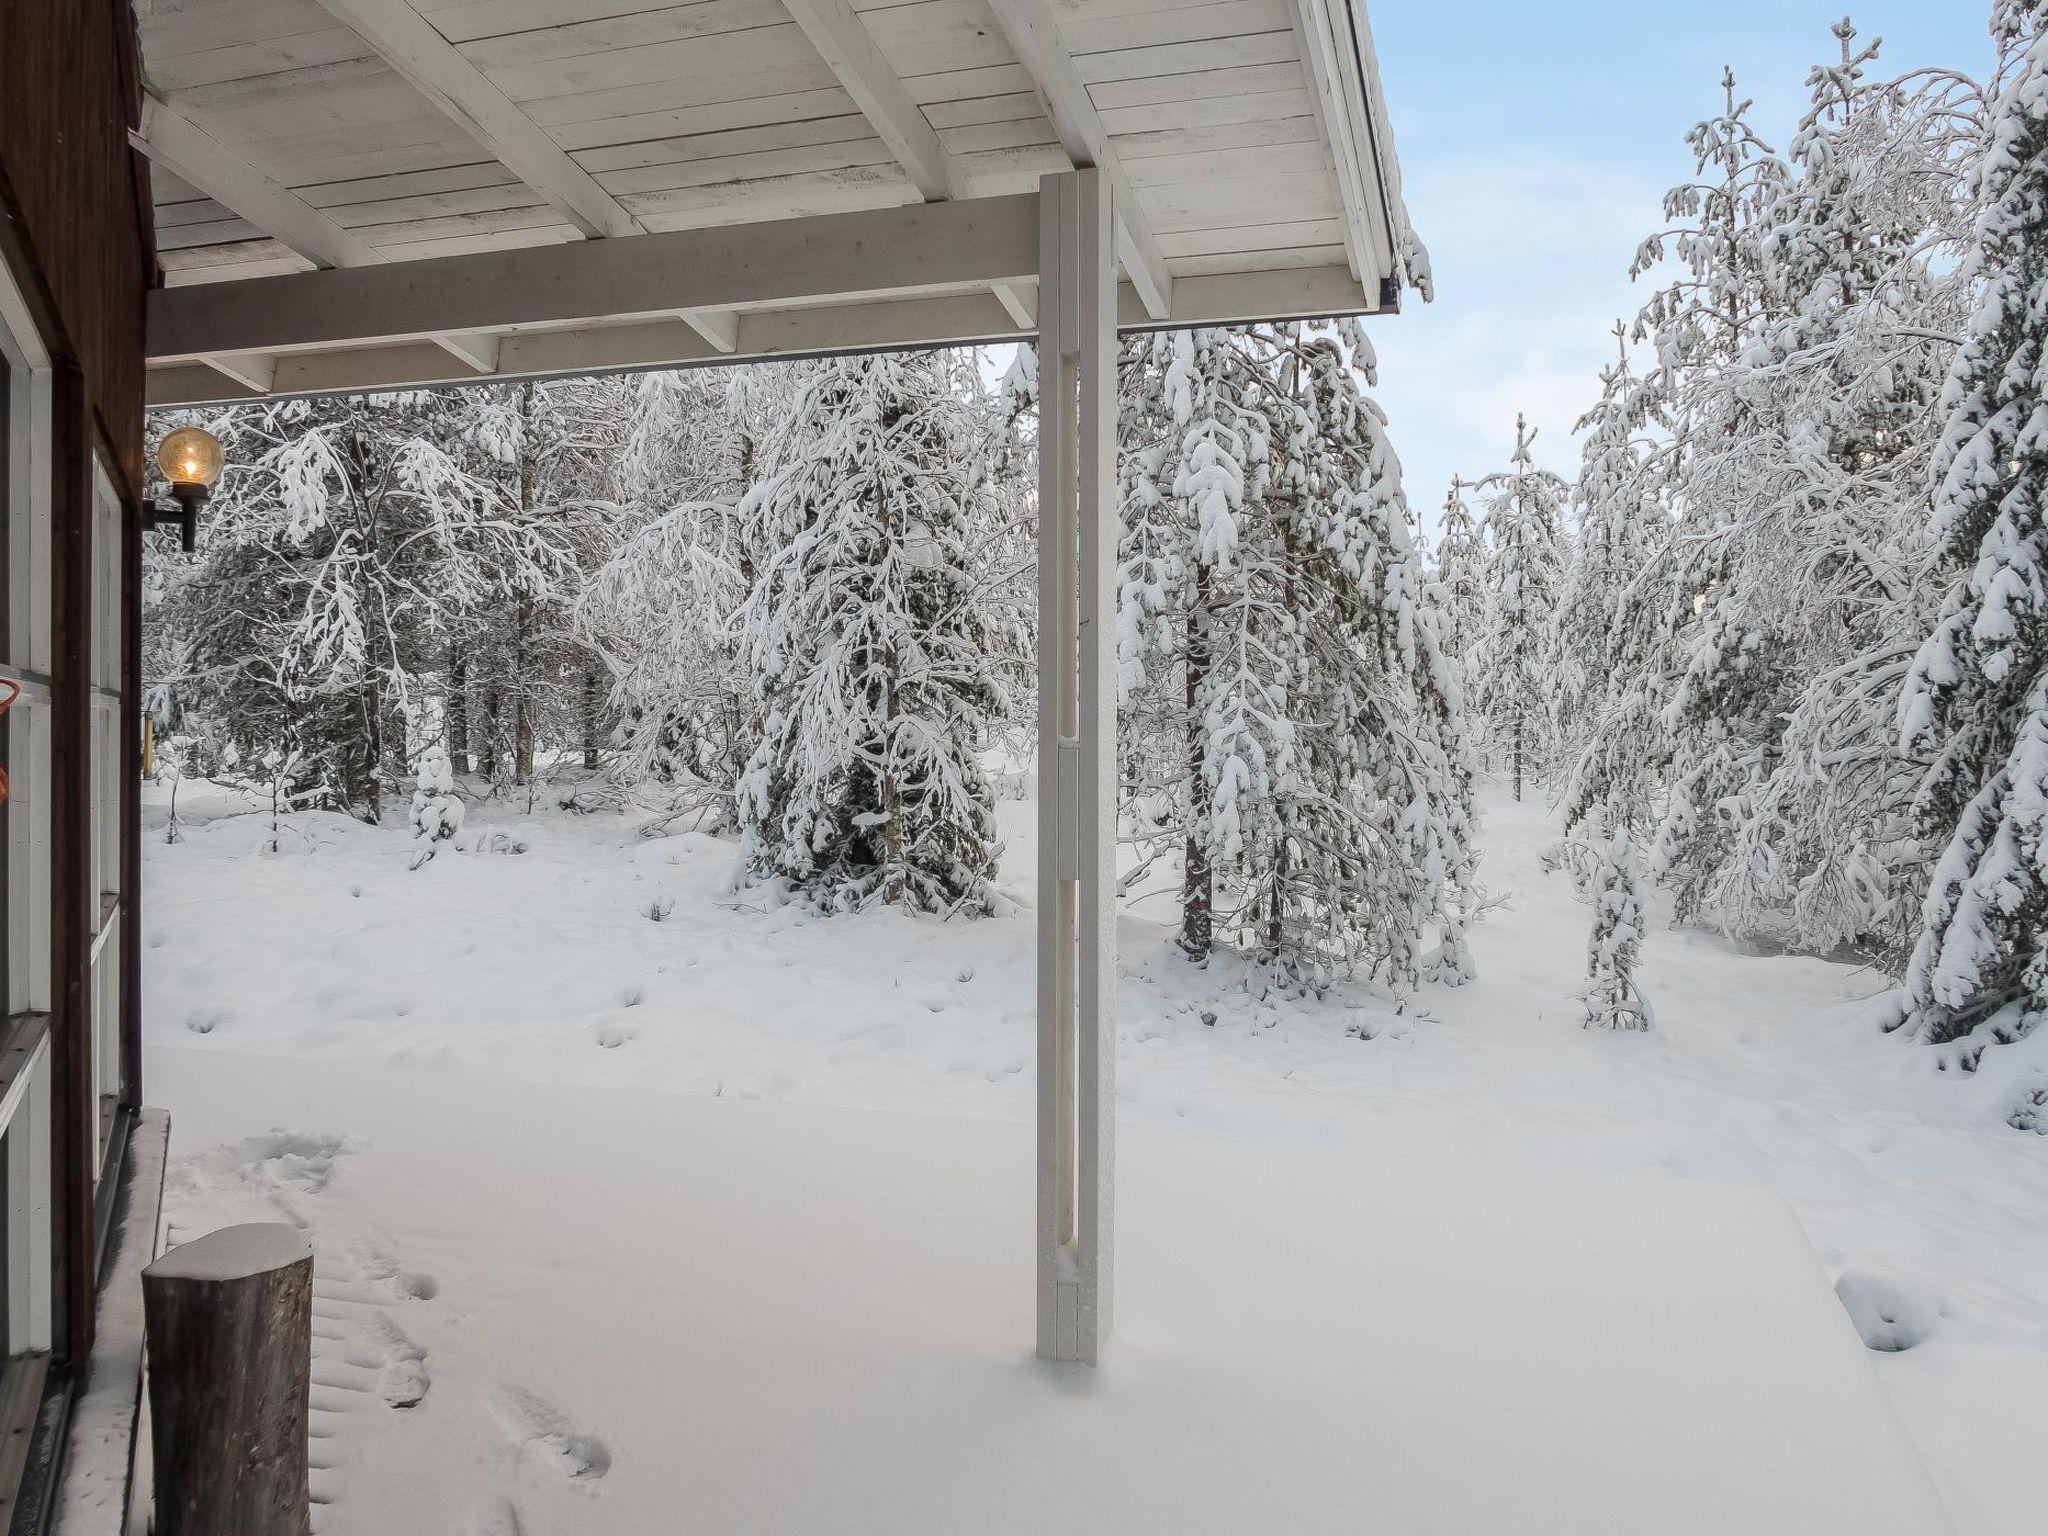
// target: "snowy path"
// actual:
[[548, 966]]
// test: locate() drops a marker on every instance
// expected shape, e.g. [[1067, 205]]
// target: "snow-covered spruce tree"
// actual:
[[1976, 696], [1291, 719], [1697, 321], [436, 812], [1607, 736], [1457, 595], [1798, 491], [1526, 550], [1619, 524], [1612, 999], [1240, 737], [876, 667]]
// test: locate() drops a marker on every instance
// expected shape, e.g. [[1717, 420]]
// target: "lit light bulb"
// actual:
[[190, 456]]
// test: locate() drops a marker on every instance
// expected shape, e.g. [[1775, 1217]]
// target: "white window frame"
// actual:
[[27, 651], [108, 767]]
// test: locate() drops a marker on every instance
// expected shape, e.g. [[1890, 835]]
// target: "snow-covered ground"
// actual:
[[597, 958]]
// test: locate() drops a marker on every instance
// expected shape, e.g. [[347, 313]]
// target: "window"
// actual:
[[26, 646]]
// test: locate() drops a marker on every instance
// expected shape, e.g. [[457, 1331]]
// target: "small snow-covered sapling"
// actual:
[[436, 813]]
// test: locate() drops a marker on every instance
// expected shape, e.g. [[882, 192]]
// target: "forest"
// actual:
[[1778, 646]]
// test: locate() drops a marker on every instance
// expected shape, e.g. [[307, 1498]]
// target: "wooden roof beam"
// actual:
[[967, 316], [1035, 39], [827, 258], [438, 70], [408, 42], [173, 140], [180, 145], [844, 43]]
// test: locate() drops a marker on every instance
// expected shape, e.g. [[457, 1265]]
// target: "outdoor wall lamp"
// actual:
[[191, 460]]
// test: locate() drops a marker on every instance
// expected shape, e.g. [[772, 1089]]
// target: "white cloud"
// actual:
[[1531, 254]]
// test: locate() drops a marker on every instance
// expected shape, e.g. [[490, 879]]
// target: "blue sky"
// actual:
[[1536, 140]]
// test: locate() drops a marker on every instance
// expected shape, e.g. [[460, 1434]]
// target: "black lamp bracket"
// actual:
[[185, 515]]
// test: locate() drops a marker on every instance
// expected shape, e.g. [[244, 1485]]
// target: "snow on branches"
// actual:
[[1291, 717], [1974, 703], [877, 668]]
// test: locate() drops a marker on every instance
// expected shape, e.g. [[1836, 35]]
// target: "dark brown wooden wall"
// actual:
[[73, 197], [75, 233]]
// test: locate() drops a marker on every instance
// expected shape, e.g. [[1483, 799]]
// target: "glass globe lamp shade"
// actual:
[[190, 457]]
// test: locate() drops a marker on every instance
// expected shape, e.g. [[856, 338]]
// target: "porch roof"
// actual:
[[518, 187]]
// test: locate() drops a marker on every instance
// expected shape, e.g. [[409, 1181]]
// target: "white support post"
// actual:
[[1076, 763]]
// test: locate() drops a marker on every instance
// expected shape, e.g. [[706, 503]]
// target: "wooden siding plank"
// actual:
[[1010, 107], [189, 210], [1134, 125], [245, 258], [849, 128], [337, 97], [466, 20], [243, 60], [751, 167], [510, 230], [327, 154], [969, 84], [1208, 165], [1197, 85], [478, 244], [776, 197], [1272, 259], [1087, 34], [450, 178], [1187, 58], [214, 231], [1247, 200], [602, 107], [1254, 237], [381, 213], [638, 29], [173, 28], [682, 121], [655, 64], [1014, 133]]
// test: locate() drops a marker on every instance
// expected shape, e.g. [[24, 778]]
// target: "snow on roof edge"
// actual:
[[1411, 256]]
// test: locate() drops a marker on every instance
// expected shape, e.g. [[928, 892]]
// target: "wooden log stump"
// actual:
[[230, 1334]]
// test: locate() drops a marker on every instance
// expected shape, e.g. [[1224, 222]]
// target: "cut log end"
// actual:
[[234, 1253]]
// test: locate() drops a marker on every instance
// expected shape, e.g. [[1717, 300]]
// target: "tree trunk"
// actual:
[[892, 794], [229, 1318], [1276, 904], [369, 788], [1515, 753], [458, 712], [489, 753], [522, 634], [590, 714], [1197, 890], [522, 698]]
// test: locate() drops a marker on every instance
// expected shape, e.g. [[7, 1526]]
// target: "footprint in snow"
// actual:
[[546, 1438], [500, 1517], [204, 1020]]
